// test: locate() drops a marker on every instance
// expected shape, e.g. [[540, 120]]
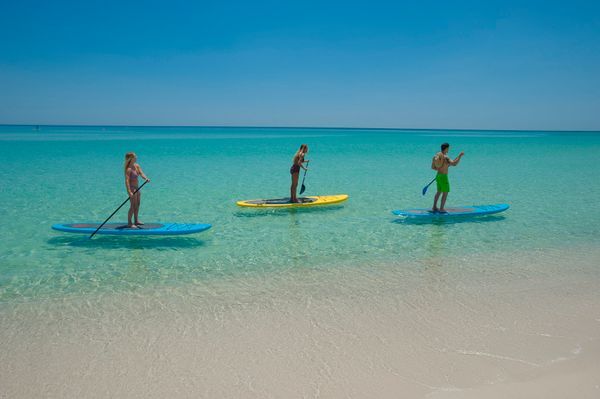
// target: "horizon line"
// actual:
[[301, 127]]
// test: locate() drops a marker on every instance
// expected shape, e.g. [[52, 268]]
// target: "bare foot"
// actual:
[[139, 223], [132, 226], [443, 211], [434, 210]]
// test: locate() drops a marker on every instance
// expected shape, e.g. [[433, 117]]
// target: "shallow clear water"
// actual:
[[69, 174]]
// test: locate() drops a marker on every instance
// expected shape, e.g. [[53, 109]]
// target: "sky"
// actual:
[[532, 65]]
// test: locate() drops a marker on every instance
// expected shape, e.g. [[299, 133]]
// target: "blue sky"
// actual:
[[417, 64]]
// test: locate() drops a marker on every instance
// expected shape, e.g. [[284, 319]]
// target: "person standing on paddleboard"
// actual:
[[297, 163], [132, 171], [441, 162]]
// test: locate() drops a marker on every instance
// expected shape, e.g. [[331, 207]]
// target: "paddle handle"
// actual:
[[116, 210]]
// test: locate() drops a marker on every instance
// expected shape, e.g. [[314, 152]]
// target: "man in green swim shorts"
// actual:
[[441, 162]]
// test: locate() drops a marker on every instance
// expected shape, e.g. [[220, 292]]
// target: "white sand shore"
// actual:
[[525, 326]]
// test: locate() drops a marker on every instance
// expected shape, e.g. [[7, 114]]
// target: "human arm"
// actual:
[[127, 186], [302, 164], [455, 161], [141, 172]]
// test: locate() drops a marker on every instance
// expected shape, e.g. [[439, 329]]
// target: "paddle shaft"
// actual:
[[302, 188], [116, 210]]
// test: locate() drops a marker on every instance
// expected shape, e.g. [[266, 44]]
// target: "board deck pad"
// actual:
[[286, 202], [474, 210], [279, 201], [108, 226], [121, 228]]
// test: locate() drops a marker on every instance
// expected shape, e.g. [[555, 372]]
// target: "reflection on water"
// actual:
[[436, 243], [133, 242], [447, 220], [437, 239], [262, 212]]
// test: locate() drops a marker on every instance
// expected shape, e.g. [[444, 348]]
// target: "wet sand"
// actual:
[[495, 326]]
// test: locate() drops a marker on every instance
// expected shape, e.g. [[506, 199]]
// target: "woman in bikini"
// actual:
[[132, 171], [297, 163]]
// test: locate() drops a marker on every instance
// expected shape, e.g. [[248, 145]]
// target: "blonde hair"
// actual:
[[301, 151], [128, 158]]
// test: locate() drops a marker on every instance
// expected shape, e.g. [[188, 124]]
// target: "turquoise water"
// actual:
[[67, 174]]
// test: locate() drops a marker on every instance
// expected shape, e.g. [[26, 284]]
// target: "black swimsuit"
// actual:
[[295, 169]]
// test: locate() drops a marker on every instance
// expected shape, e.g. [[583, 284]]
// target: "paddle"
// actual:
[[303, 186], [427, 186], [116, 210]]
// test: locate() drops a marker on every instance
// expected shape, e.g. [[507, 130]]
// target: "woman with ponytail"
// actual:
[[297, 163], [132, 171]]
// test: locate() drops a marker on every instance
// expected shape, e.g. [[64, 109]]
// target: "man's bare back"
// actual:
[[441, 162]]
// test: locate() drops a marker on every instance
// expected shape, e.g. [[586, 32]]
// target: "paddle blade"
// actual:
[[302, 189], [427, 186]]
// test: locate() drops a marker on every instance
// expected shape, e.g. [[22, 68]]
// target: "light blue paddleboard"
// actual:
[[474, 210], [148, 229]]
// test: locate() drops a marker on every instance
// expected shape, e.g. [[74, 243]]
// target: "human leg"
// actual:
[[294, 187], [130, 213], [136, 208], [443, 204], [139, 202], [435, 200], [443, 187]]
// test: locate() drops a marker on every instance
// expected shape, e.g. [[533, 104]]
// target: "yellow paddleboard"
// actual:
[[285, 202]]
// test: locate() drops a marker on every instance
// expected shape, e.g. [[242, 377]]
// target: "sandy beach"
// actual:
[[458, 328]]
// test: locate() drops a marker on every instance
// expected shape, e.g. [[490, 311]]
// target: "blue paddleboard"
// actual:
[[474, 210], [148, 229]]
